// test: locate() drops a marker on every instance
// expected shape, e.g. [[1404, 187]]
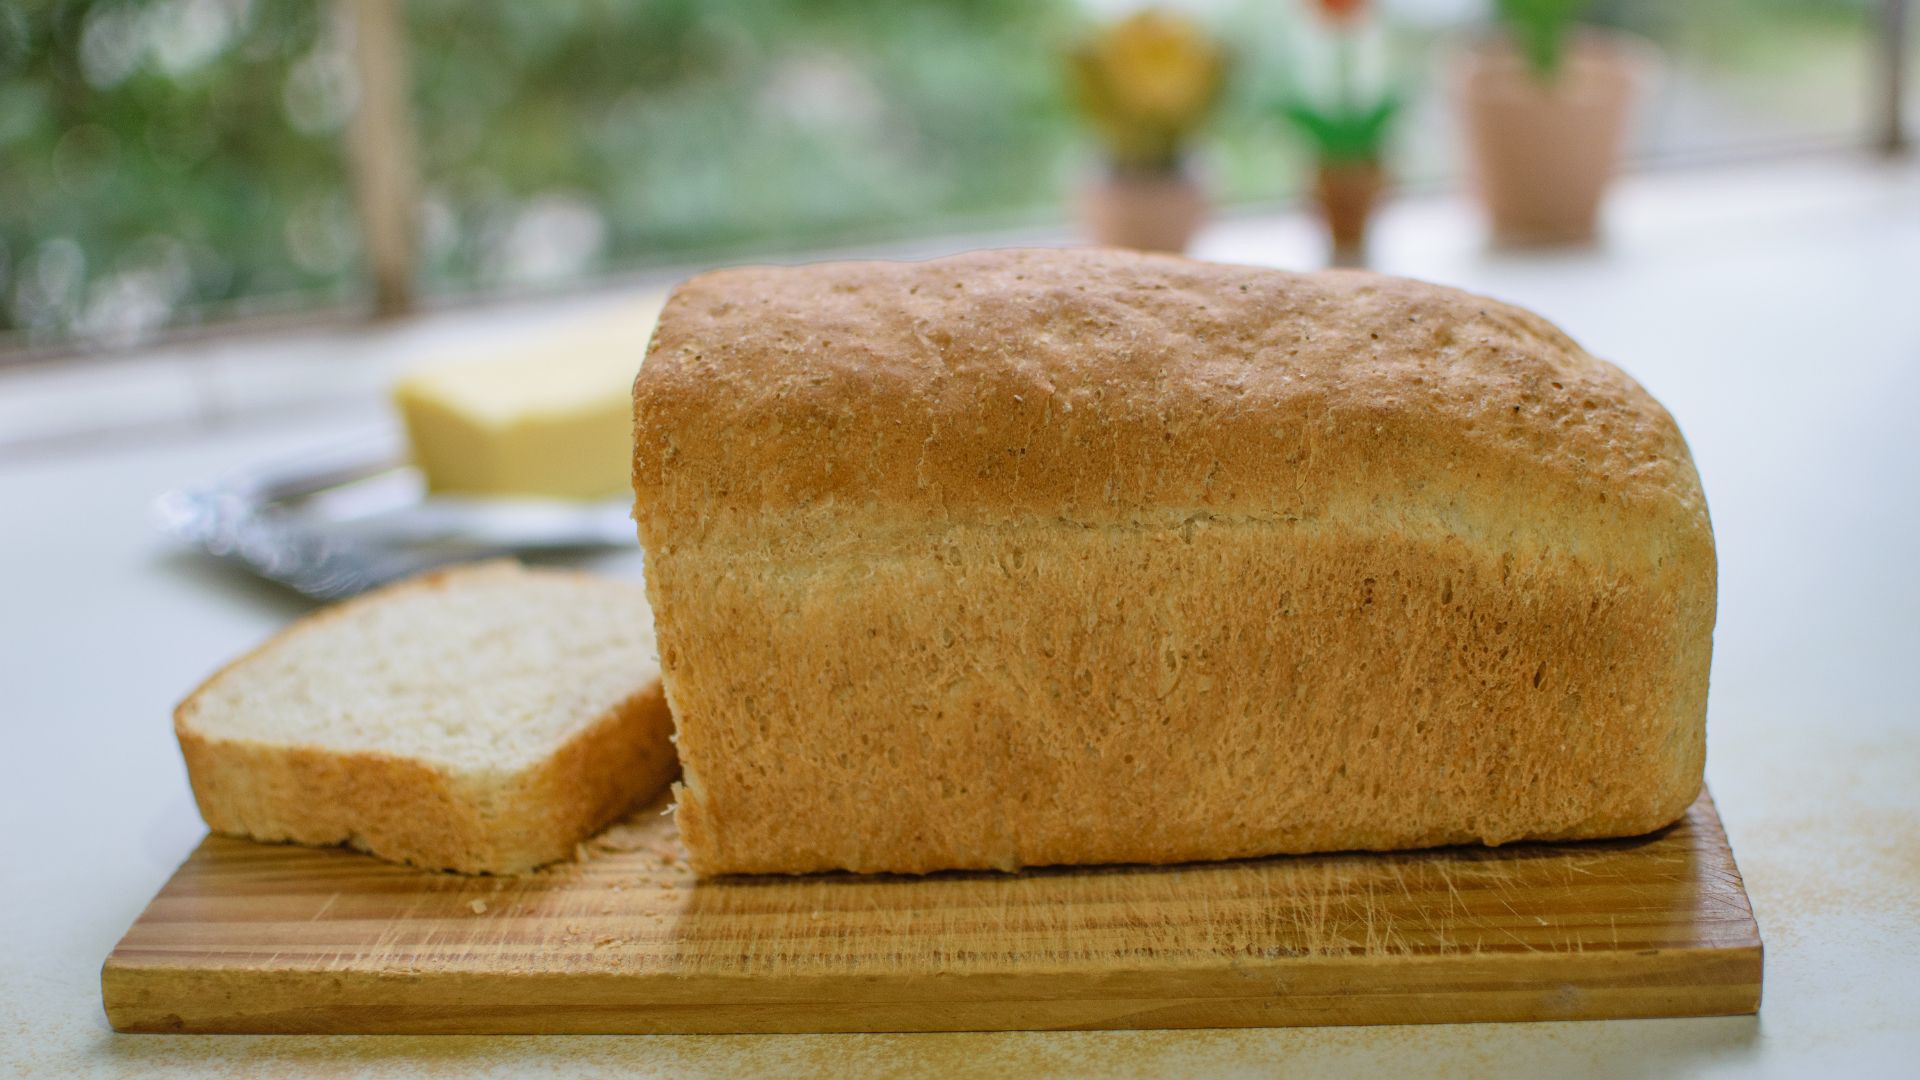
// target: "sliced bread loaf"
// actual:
[[484, 719], [1029, 557]]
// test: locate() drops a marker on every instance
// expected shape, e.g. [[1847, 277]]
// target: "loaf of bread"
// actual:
[[1036, 557], [484, 719]]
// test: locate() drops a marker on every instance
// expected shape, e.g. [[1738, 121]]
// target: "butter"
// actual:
[[553, 419]]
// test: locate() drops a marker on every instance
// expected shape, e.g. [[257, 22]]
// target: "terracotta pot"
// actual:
[[1542, 154], [1147, 211], [1346, 192]]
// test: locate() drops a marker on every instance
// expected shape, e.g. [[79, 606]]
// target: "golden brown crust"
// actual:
[[1034, 557], [411, 811], [1092, 384], [1268, 692]]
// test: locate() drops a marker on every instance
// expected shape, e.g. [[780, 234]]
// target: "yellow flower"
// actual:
[[1146, 83]]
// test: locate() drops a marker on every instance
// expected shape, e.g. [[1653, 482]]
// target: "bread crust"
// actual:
[[1020, 558], [429, 815], [1091, 384]]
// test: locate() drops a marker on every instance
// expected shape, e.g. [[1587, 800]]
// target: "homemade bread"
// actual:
[[1032, 557], [483, 719]]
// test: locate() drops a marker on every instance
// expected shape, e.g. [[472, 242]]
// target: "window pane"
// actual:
[[562, 140], [179, 160], [1729, 78], [1747, 75]]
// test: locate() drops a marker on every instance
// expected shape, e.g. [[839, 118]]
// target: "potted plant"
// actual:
[[1347, 129], [1545, 107], [1146, 84]]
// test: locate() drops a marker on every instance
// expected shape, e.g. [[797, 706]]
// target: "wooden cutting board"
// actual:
[[269, 938]]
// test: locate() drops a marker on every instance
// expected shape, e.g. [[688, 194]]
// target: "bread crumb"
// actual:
[[479, 907], [521, 638]]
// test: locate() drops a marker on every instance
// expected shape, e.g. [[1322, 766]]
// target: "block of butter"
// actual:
[[550, 420]]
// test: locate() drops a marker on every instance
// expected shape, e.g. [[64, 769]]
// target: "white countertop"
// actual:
[[1775, 311]]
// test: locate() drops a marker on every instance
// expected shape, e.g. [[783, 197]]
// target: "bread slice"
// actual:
[[483, 719]]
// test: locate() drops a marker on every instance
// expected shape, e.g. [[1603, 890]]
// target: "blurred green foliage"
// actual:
[[702, 125], [555, 139], [149, 162], [1540, 29], [174, 160]]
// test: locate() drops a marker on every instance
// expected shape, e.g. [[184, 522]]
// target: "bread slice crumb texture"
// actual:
[[484, 668], [485, 720]]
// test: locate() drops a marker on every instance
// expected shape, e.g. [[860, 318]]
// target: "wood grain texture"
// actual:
[[266, 938]]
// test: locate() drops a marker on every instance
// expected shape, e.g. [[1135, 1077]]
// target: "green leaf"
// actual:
[[1540, 29], [1344, 135]]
